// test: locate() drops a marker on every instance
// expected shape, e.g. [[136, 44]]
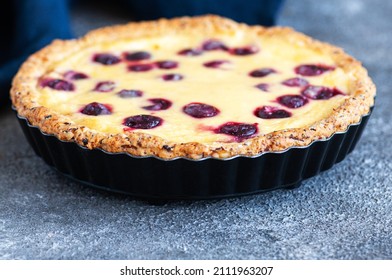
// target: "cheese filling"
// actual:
[[205, 90]]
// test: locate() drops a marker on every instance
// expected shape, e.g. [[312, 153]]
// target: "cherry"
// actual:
[[312, 69], [172, 77], [96, 109], [142, 121], [106, 58], [190, 52], [200, 110], [270, 112], [58, 84], [140, 67], [244, 50], [137, 56], [295, 82], [239, 130], [105, 86], [320, 92], [167, 64], [263, 87], [129, 93], [262, 72], [213, 44], [215, 63], [292, 101], [158, 104], [72, 75]]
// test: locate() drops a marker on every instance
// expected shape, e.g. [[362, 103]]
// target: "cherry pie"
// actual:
[[192, 87]]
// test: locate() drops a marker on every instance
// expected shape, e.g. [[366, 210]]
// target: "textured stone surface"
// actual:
[[345, 213]]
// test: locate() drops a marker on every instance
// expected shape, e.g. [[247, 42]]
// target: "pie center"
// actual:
[[195, 89]]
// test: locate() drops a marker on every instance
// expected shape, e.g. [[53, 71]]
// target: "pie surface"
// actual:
[[192, 87]]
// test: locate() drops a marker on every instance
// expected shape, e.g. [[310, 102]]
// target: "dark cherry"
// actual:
[[190, 52], [96, 109], [58, 84], [312, 69], [262, 72], [200, 110], [320, 92], [105, 86], [140, 67], [130, 93], [244, 50], [270, 112], [215, 63], [212, 45], [73, 75], [263, 87], [295, 82], [106, 58], [137, 56], [167, 64], [238, 130], [158, 104], [292, 101], [172, 77], [142, 121]]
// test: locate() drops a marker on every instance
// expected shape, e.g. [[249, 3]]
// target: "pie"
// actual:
[[192, 87]]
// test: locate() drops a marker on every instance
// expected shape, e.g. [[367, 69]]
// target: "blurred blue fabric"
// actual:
[[35, 23]]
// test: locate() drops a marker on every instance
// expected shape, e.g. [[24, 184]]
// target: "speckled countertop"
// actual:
[[345, 213]]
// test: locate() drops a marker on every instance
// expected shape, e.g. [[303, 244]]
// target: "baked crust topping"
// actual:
[[192, 87]]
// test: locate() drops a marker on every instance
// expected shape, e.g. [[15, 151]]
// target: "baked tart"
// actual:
[[192, 88]]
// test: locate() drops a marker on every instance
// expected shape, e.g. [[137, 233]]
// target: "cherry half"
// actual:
[[158, 104], [105, 86], [213, 44], [320, 92], [167, 64], [130, 93], [215, 63], [312, 69], [141, 67], [96, 109], [262, 72], [292, 101], [244, 50], [142, 121], [190, 52], [172, 77], [73, 75], [295, 82], [58, 84], [200, 110], [270, 112], [137, 56], [238, 130], [106, 58], [263, 87]]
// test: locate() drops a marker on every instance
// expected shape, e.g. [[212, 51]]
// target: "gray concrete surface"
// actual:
[[345, 213]]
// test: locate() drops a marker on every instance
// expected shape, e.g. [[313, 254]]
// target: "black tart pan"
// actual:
[[181, 178]]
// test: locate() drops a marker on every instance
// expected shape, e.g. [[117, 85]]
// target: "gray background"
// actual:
[[345, 213]]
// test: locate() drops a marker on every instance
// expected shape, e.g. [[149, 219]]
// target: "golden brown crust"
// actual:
[[25, 95]]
